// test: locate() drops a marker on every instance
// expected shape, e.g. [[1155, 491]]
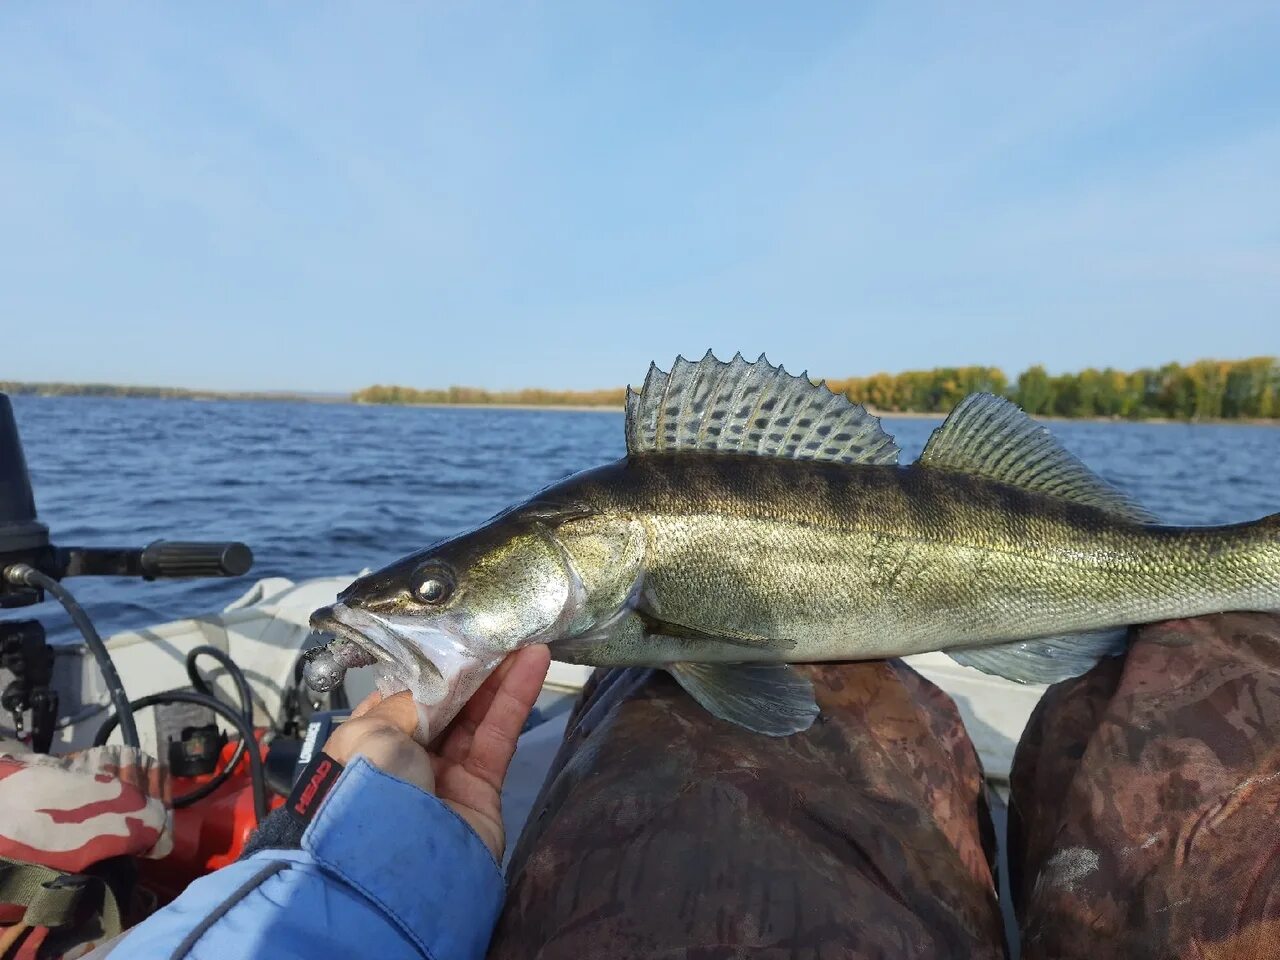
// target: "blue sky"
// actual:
[[306, 196]]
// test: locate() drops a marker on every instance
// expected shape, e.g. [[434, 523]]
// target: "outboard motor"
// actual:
[[217, 789], [30, 567], [23, 538]]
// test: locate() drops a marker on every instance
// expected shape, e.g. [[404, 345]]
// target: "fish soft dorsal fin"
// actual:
[[755, 408], [992, 437]]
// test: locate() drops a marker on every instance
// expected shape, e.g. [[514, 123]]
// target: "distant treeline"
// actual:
[[504, 398], [1204, 390], [15, 388]]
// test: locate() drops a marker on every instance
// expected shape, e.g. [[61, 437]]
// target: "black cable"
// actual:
[[243, 727], [246, 708], [24, 574], [227, 664]]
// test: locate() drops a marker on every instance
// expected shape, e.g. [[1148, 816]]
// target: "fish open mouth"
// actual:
[[400, 662], [437, 666], [337, 620]]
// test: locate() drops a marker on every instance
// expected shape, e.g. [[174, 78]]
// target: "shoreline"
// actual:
[[1054, 418], [890, 414], [566, 407], [573, 407]]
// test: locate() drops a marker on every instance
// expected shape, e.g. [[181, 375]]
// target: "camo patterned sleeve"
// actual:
[[865, 836], [1146, 797]]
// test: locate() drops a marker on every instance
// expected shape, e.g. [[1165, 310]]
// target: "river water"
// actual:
[[320, 489]]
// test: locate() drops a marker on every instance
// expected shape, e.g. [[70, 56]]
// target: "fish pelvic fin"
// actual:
[[1045, 659], [710, 406], [992, 437], [768, 698]]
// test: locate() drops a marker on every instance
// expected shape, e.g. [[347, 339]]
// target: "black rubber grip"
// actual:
[[175, 558]]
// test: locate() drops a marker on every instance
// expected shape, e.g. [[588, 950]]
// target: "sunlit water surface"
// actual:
[[328, 489]]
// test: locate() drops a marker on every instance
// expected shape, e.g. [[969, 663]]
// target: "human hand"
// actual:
[[466, 765]]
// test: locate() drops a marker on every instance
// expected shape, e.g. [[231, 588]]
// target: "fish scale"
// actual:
[[759, 529]]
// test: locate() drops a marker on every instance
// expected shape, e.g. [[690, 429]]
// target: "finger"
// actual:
[[495, 738], [529, 673], [456, 744], [476, 708], [367, 704]]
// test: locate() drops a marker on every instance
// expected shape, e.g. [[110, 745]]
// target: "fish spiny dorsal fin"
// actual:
[[991, 437], [644, 422], [754, 408]]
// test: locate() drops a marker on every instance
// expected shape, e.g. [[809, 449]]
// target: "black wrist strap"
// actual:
[[310, 789], [279, 831]]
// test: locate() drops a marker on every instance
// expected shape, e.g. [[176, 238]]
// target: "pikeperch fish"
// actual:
[[759, 519]]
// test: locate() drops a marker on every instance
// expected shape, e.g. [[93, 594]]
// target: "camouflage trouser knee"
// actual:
[[1145, 819], [1142, 823]]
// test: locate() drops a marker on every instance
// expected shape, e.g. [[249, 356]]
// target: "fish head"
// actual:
[[439, 621]]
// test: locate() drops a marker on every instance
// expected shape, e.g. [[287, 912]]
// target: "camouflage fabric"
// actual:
[[69, 828], [69, 812], [1145, 820], [662, 831]]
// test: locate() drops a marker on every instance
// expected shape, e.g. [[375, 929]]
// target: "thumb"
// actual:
[[382, 736], [397, 711]]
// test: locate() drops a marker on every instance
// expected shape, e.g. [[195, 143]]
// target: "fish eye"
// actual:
[[433, 586]]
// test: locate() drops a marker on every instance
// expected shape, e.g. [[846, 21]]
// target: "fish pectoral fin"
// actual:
[[1044, 659], [658, 627], [768, 698]]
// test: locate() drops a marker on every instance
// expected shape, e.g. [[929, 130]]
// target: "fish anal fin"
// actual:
[[992, 437], [756, 408], [768, 698], [1044, 659]]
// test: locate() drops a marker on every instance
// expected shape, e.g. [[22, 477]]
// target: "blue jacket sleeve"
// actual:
[[385, 870]]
